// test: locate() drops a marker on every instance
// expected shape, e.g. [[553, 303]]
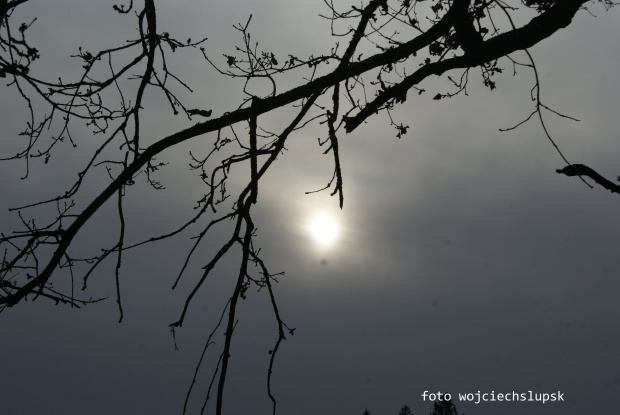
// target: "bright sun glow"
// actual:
[[324, 230]]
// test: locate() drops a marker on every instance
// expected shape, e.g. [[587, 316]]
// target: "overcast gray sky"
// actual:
[[464, 263]]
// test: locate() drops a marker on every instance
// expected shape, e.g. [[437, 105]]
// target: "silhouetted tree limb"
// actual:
[[541, 27], [582, 170]]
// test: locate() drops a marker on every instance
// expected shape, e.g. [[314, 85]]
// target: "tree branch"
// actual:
[[539, 28], [582, 170]]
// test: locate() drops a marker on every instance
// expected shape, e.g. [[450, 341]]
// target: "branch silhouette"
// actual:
[[582, 170], [337, 90]]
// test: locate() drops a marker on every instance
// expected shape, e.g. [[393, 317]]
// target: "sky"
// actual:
[[463, 261]]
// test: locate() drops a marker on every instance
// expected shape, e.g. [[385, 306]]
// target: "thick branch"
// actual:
[[466, 33], [539, 28], [582, 170], [6, 6]]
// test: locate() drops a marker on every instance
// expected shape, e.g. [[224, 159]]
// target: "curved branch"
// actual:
[[557, 17], [582, 170]]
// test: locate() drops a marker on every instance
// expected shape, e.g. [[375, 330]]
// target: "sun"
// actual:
[[324, 230]]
